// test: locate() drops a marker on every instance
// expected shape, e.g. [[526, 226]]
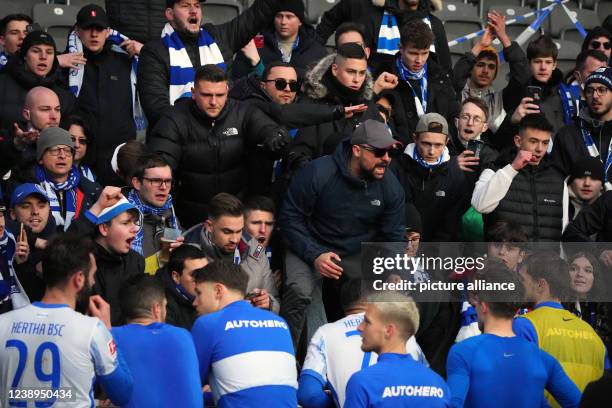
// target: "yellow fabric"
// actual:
[[152, 264], [572, 342]]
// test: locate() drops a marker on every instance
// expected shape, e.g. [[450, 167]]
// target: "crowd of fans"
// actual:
[[183, 210]]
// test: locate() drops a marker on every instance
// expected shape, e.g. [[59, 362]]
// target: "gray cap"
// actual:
[[432, 122], [375, 134], [52, 136]]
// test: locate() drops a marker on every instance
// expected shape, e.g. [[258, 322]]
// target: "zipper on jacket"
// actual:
[[534, 197]]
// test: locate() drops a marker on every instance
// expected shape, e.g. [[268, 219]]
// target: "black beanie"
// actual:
[[36, 38], [587, 166], [294, 6]]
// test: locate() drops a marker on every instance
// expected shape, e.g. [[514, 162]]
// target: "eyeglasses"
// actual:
[[597, 44], [280, 84], [376, 151], [81, 140], [475, 119], [158, 182], [55, 151], [601, 91]]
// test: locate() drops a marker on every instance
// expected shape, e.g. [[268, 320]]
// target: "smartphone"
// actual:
[[251, 295], [475, 147], [535, 93], [22, 234]]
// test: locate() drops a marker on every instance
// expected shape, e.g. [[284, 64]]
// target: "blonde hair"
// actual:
[[398, 309]]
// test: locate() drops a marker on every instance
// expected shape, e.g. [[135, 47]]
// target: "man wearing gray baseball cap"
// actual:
[[334, 204], [432, 181], [69, 194]]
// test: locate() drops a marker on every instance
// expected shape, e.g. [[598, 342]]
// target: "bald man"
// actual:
[[41, 110]]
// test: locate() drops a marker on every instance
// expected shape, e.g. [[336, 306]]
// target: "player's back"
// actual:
[[492, 363], [164, 365], [334, 354], [396, 380], [249, 355], [50, 347]]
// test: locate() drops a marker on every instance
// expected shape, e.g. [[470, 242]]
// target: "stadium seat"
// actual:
[[568, 51], [560, 23], [588, 4], [80, 3], [457, 51], [316, 8], [57, 20], [455, 11], [220, 11], [16, 7], [604, 9], [511, 12]]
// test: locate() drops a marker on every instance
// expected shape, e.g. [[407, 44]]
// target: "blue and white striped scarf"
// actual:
[[589, 143], [75, 77], [389, 35], [87, 173], [412, 151], [571, 99], [420, 101], [145, 209], [10, 287], [70, 197], [182, 72]]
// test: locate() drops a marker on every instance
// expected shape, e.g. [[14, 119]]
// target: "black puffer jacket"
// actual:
[[439, 194], [16, 81], [154, 65], [441, 98], [370, 13], [140, 20], [322, 88], [208, 155], [592, 219], [534, 200], [308, 52]]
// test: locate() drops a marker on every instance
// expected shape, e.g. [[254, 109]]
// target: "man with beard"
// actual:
[[59, 343], [482, 366], [221, 237], [338, 79], [334, 204], [390, 320], [113, 227], [167, 65], [591, 134], [382, 20]]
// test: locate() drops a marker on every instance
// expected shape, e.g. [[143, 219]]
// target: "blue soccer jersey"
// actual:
[[397, 381], [51, 347], [164, 365], [246, 355], [482, 370]]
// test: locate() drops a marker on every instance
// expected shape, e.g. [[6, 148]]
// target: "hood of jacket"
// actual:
[[314, 87], [592, 123], [249, 88]]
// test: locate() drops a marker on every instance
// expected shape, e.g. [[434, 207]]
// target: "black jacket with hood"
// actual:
[[140, 20], [569, 143], [207, 155], [154, 65], [329, 209], [441, 98], [439, 194], [179, 311], [370, 14], [321, 87], [307, 53]]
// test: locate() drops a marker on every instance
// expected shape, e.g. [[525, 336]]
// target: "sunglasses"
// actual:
[[280, 84], [81, 140], [376, 151], [597, 44]]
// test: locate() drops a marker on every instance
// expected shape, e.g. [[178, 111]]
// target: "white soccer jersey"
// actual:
[[47, 347], [334, 354]]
